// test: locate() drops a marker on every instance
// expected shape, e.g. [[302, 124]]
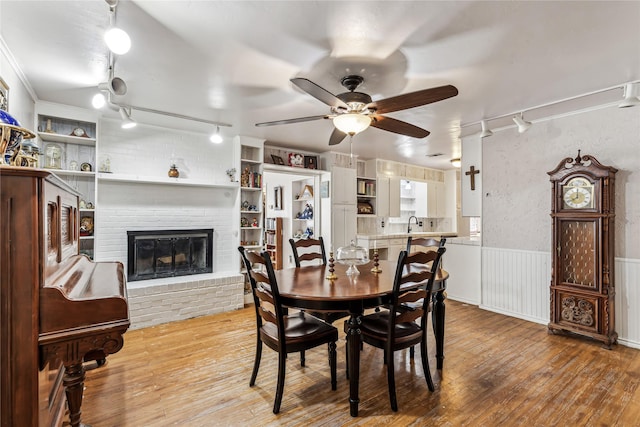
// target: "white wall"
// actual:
[[516, 226]]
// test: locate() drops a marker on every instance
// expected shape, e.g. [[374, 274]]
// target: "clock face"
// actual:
[[578, 194]]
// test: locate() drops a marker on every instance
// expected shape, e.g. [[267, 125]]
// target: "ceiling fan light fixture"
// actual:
[[522, 124], [117, 40], [351, 123], [630, 96], [485, 130], [216, 138], [456, 162], [127, 121]]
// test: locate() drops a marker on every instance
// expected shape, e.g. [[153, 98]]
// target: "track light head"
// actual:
[[485, 130], [127, 121], [522, 124], [630, 96], [216, 138], [116, 86]]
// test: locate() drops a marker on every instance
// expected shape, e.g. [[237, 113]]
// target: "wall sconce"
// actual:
[[456, 162], [485, 130], [523, 125]]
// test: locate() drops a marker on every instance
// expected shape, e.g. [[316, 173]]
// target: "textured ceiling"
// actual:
[[231, 61]]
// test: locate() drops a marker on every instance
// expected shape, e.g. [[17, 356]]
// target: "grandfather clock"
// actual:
[[582, 278]]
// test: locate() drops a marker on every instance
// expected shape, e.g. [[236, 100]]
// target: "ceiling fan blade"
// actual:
[[397, 126], [413, 99], [336, 137], [319, 93], [288, 121]]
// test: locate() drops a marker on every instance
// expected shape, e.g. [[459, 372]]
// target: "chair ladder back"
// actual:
[[426, 242], [264, 287], [314, 244]]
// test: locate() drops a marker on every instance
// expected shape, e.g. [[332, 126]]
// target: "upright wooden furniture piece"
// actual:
[[279, 331], [582, 279], [404, 324], [58, 307]]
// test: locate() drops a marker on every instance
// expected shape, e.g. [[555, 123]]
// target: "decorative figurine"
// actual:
[[173, 172], [11, 135], [254, 223], [231, 173]]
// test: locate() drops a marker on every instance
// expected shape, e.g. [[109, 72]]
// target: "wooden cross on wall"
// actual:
[[472, 172]]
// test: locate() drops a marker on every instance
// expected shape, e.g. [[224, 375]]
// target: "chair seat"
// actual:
[[300, 329], [376, 326]]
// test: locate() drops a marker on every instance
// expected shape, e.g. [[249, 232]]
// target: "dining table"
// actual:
[[308, 288]]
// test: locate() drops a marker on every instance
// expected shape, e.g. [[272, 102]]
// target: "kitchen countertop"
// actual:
[[452, 238], [405, 235]]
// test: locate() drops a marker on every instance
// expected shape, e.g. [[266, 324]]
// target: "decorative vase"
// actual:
[[173, 172]]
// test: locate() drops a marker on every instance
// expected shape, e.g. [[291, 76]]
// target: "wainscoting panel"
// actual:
[[516, 283], [628, 301]]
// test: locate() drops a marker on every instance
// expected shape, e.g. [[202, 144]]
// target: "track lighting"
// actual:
[[216, 138], [523, 125], [117, 40], [98, 101], [127, 121], [485, 130], [456, 162], [630, 96]]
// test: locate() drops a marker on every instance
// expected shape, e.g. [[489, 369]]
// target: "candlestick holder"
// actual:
[[331, 275], [375, 268]]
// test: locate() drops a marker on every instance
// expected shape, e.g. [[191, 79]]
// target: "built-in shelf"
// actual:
[[86, 237], [66, 172], [255, 162], [251, 212], [251, 188], [67, 139], [251, 228], [137, 179]]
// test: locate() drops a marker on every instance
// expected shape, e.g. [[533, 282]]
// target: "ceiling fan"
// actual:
[[352, 112]]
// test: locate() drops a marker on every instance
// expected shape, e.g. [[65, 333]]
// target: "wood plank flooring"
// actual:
[[498, 371]]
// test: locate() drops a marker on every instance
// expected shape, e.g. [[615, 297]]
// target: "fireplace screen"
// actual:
[[166, 253]]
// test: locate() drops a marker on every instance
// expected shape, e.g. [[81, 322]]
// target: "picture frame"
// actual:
[[277, 198], [277, 160], [324, 189], [311, 162], [296, 160], [4, 95]]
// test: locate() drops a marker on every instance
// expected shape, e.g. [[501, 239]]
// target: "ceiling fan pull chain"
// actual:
[[351, 150]]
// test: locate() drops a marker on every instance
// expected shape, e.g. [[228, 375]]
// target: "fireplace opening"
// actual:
[[154, 254]]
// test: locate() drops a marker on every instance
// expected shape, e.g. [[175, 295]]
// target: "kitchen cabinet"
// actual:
[[343, 186], [436, 207], [343, 225]]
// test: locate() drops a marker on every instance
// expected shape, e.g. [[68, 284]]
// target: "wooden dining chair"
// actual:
[[281, 332], [308, 250], [425, 242], [312, 250], [404, 324]]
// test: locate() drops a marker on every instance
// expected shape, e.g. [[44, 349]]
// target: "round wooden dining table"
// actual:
[[308, 288]]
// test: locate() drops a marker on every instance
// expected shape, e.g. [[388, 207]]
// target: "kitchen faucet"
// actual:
[[409, 223]]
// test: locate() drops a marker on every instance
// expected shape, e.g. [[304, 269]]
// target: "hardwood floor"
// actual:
[[498, 371]]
